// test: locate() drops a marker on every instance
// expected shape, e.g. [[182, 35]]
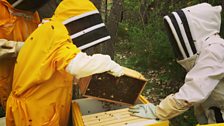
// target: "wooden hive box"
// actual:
[[92, 112], [217, 124], [120, 117], [106, 87]]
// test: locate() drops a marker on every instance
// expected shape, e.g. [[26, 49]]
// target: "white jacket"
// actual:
[[204, 84]]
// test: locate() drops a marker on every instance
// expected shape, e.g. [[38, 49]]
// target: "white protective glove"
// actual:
[[144, 111], [171, 107], [83, 65], [9, 48]]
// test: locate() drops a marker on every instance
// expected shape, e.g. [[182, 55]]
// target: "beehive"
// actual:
[[218, 124], [119, 117], [92, 112], [106, 87]]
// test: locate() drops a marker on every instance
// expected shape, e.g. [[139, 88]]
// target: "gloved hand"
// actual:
[[144, 110], [171, 107], [9, 48], [116, 70], [83, 65]]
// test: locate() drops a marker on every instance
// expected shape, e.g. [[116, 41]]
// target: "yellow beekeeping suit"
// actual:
[[17, 28], [41, 91]]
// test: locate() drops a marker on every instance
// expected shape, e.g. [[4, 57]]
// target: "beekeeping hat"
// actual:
[[28, 5], [83, 22], [188, 27]]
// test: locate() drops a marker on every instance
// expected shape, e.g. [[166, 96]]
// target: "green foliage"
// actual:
[[131, 5], [147, 46]]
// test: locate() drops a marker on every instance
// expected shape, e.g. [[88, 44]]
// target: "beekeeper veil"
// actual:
[[188, 28], [27, 5], [83, 22]]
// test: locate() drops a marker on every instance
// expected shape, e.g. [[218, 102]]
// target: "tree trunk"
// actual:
[[47, 10], [97, 3], [112, 25], [105, 7], [144, 11]]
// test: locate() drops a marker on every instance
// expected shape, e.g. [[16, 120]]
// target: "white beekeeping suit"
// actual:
[[194, 36]]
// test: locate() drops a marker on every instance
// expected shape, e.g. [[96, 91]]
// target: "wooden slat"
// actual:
[[133, 73], [112, 118], [106, 115], [102, 113], [83, 84], [128, 122], [121, 123], [116, 117], [76, 115]]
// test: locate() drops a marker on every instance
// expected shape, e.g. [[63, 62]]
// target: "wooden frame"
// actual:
[[122, 90]]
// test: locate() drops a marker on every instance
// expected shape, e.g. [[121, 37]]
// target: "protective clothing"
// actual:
[[86, 28], [42, 86], [171, 107], [198, 48], [144, 110], [14, 26], [27, 5], [188, 63], [83, 65], [9, 48], [188, 27]]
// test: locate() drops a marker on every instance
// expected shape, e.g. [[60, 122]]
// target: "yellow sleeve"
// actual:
[[64, 55]]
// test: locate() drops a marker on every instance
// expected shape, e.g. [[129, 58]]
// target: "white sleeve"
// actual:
[[202, 79], [83, 65]]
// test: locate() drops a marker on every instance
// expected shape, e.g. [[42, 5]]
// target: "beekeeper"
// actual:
[[18, 20], [50, 58], [194, 36]]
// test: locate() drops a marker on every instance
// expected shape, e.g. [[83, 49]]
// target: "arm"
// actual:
[[83, 65], [199, 83]]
